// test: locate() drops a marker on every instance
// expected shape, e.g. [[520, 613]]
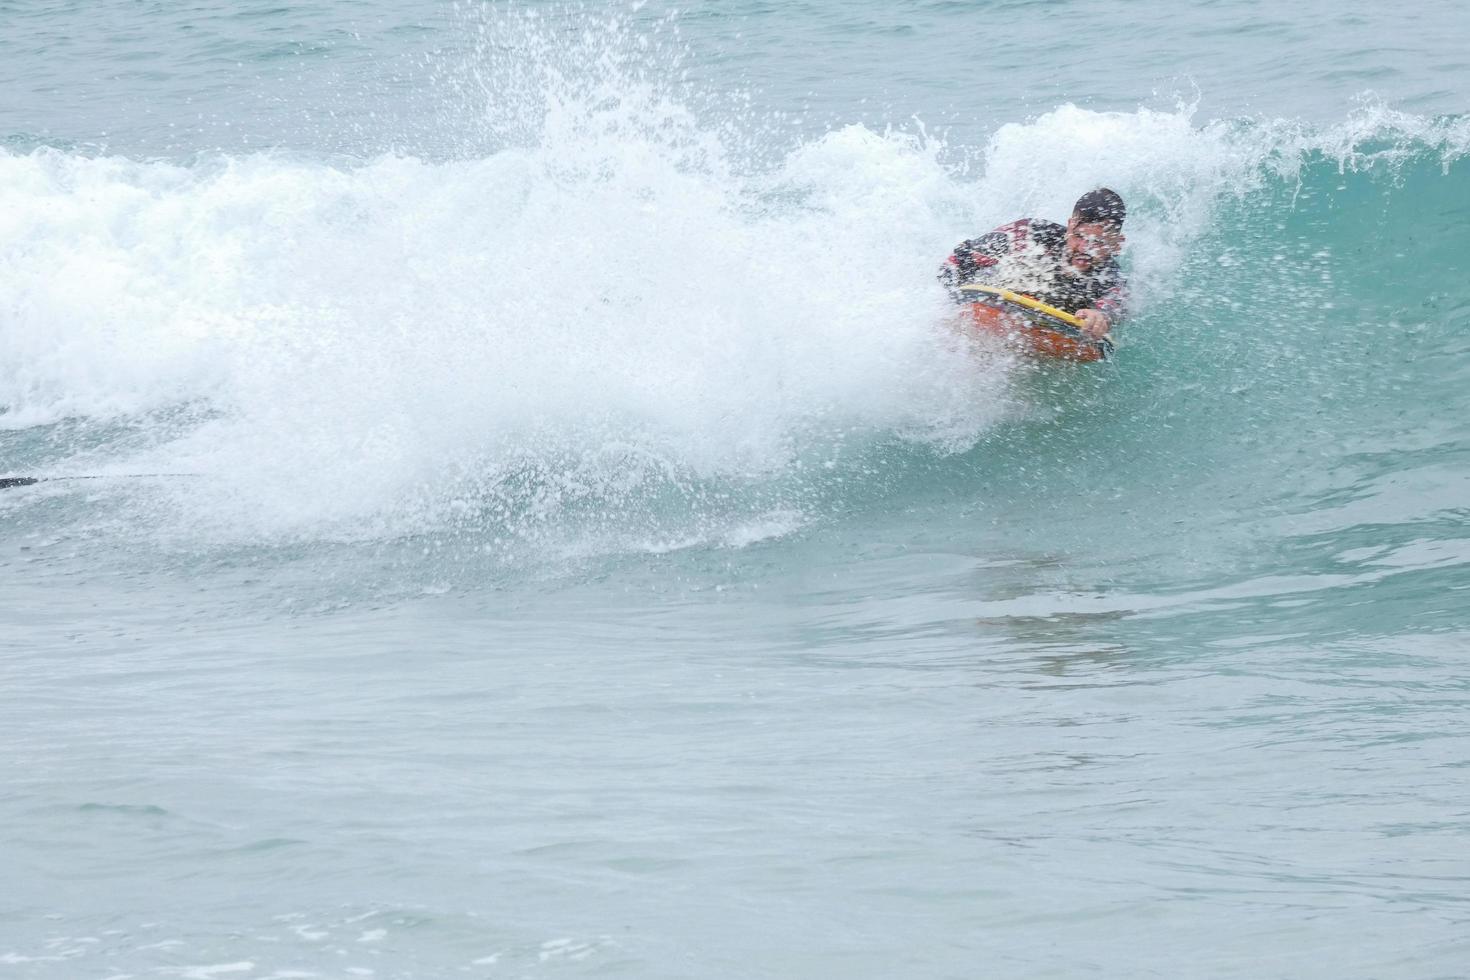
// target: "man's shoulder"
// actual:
[[1030, 224], [1047, 234]]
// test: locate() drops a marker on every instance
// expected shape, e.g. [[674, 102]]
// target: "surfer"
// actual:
[[1074, 268]]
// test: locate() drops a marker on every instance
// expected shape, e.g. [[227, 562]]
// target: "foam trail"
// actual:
[[355, 334]]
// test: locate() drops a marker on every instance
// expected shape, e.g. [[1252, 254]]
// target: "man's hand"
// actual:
[[1095, 323]]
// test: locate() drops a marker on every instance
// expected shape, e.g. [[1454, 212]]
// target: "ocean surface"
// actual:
[[516, 506]]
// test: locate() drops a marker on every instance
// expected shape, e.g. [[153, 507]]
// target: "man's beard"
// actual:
[[1070, 263]]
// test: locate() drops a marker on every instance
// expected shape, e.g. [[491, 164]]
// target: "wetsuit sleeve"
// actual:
[[972, 257], [1114, 303]]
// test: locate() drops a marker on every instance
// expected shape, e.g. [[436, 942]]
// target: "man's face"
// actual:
[[1090, 244]]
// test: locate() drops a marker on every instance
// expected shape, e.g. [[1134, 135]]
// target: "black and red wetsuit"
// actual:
[[979, 260]]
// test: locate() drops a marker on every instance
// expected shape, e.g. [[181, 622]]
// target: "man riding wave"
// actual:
[[1073, 268]]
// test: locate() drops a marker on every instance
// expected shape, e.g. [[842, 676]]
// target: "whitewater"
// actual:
[[513, 500]]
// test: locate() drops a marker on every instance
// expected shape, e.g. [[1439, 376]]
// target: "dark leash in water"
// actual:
[[11, 482]]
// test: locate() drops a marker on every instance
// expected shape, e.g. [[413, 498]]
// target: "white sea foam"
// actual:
[[356, 335]]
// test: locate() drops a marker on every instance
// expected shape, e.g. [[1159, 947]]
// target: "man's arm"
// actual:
[[1110, 310], [972, 257]]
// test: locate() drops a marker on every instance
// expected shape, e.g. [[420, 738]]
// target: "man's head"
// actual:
[[1095, 230]]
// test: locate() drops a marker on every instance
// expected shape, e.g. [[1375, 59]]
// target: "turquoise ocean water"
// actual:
[[580, 549]]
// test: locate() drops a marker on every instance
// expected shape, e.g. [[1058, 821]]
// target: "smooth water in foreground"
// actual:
[[537, 522]]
